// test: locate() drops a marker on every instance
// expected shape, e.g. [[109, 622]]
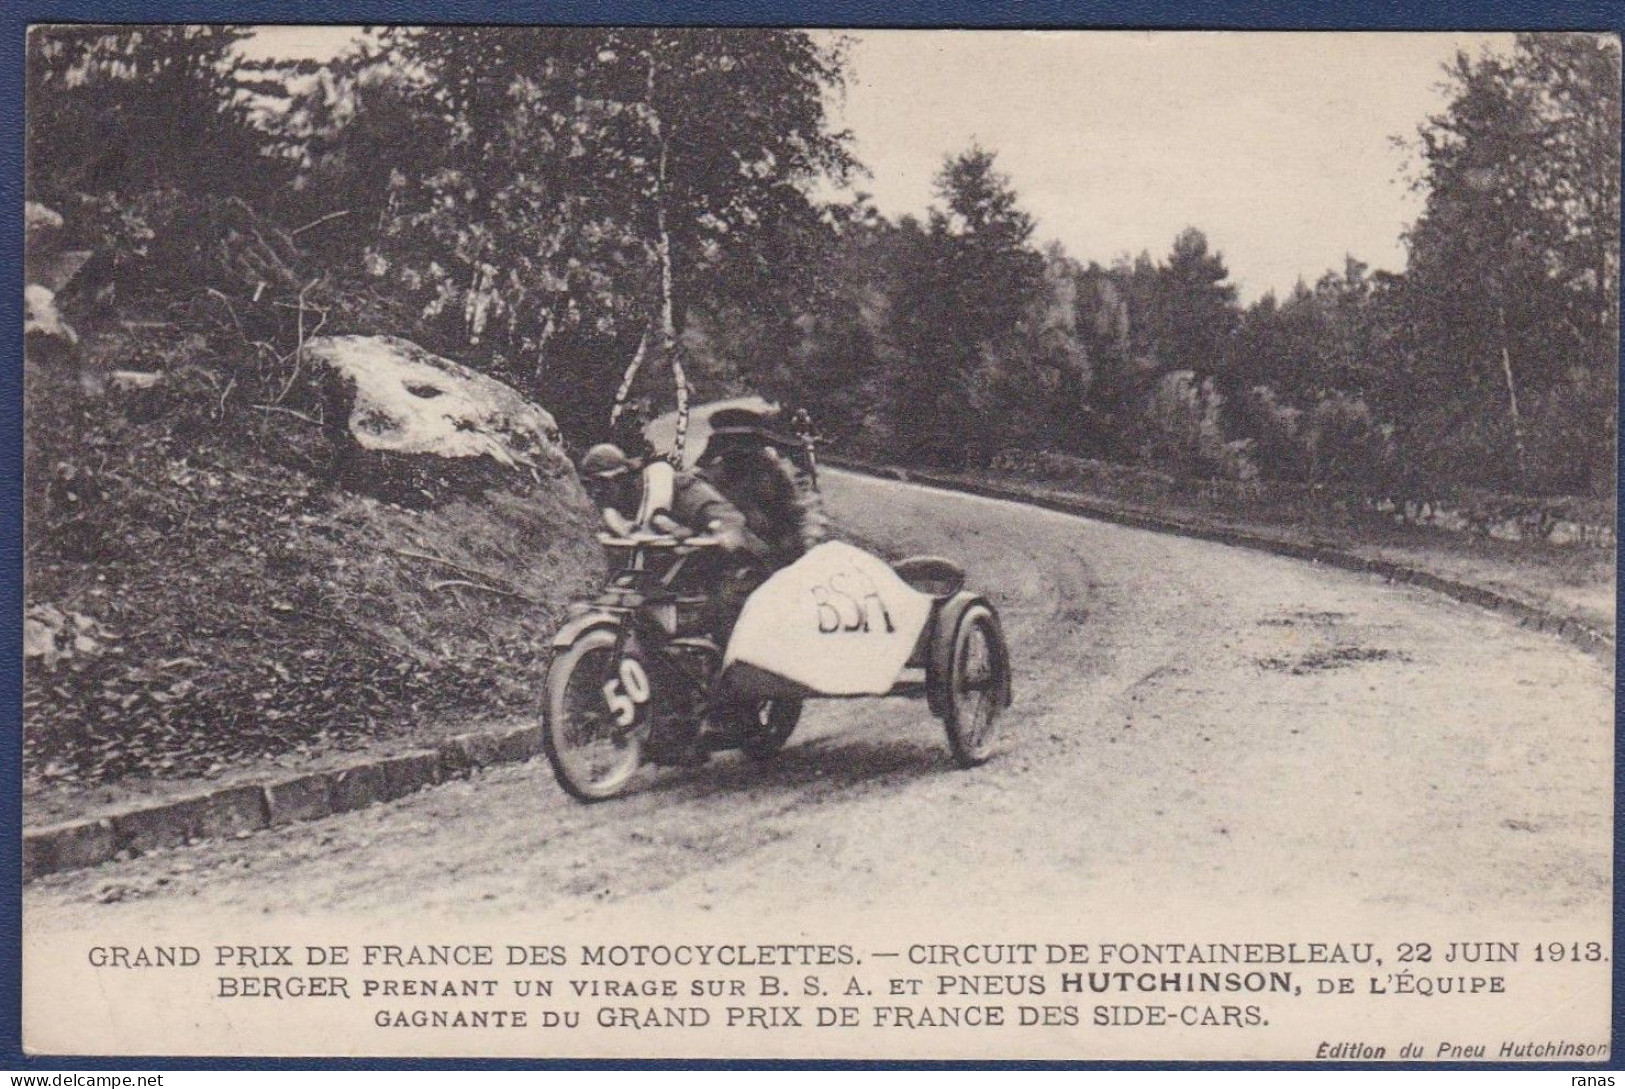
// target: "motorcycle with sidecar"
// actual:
[[636, 669]]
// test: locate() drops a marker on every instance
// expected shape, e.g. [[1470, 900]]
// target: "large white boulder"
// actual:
[[396, 398], [410, 401]]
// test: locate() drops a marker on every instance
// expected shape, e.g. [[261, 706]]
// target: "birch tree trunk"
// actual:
[[1512, 398], [668, 320]]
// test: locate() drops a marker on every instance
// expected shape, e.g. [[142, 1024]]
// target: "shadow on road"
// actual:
[[819, 767]]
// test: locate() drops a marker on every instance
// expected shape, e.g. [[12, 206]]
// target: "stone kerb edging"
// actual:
[[244, 808], [1576, 632]]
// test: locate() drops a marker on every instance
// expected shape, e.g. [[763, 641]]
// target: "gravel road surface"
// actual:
[[1193, 723]]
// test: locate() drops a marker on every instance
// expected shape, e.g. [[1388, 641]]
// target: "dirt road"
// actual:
[[1192, 723]]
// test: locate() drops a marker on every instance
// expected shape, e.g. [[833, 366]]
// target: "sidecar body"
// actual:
[[841, 622]]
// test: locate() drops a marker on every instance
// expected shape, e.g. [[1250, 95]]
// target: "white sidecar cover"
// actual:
[[837, 622]]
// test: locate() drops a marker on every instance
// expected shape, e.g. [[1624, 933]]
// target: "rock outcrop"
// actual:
[[46, 271], [410, 426], [42, 319]]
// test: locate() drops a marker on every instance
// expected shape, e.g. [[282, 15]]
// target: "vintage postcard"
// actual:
[[683, 543]]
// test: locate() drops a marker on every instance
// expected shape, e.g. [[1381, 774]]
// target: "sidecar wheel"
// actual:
[[766, 727], [592, 756], [978, 686]]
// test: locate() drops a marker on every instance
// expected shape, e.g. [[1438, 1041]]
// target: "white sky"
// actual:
[[1278, 145]]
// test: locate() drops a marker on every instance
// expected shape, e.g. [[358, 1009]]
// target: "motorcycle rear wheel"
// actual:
[[592, 756]]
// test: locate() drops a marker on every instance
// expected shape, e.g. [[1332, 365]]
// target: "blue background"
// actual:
[[1203, 14]]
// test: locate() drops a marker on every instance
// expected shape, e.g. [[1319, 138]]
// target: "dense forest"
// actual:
[[547, 205]]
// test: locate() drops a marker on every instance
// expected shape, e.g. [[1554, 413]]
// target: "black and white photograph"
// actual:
[[684, 543]]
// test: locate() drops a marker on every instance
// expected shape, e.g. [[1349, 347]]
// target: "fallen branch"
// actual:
[[473, 571], [221, 295], [297, 231], [299, 347], [289, 412], [442, 584], [241, 332]]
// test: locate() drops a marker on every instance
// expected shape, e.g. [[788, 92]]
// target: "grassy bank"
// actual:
[[202, 601]]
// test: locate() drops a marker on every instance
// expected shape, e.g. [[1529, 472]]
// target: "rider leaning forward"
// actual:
[[755, 500], [615, 484]]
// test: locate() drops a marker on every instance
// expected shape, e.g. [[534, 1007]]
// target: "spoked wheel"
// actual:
[[766, 726], [592, 750], [978, 686]]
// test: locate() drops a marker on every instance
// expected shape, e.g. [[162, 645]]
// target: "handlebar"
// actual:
[[660, 540]]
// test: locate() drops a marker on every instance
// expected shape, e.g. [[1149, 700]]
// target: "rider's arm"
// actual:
[[701, 506], [661, 522], [618, 523]]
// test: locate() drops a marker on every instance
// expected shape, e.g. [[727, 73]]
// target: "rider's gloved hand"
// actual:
[[618, 523], [671, 527], [730, 535], [737, 539]]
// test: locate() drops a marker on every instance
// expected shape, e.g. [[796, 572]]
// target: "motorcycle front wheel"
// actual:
[[593, 755]]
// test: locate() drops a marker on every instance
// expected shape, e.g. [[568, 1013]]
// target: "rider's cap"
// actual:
[[733, 425], [739, 421], [605, 460]]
